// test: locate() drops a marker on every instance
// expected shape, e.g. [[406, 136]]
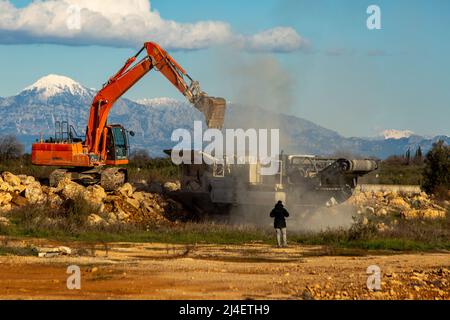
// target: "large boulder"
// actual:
[[126, 190], [423, 214], [359, 198], [34, 194], [54, 200], [389, 195], [400, 204], [95, 220], [111, 218], [95, 194], [152, 207], [26, 180], [19, 201], [4, 186], [410, 214], [121, 215], [11, 179], [42, 252], [447, 203], [70, 189], [133, 202], [140, 196], [5, 198], [379, 195], [172, 186], [18, 189], [433, 214]]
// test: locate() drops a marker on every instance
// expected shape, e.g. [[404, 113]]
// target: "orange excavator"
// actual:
[[98, 159]]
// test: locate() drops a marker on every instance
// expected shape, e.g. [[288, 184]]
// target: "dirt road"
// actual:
[[253, 271]]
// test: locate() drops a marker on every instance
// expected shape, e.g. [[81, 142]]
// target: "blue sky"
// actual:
[[347, 78]]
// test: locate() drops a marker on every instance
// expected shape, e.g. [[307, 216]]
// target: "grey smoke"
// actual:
[[261, 82]]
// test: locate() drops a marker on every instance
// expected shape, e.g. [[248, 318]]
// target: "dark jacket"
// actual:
[[279, 213]]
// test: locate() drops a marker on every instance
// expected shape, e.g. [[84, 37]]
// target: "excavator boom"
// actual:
[[156, 58]]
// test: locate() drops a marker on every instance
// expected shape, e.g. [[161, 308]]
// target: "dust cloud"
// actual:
[[321, 219], [261, 82], [256, 83], [301, 219]]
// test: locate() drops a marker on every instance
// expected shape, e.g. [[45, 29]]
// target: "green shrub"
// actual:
[[437, 170]]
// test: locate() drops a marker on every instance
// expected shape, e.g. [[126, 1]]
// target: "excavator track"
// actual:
[[110, 178]]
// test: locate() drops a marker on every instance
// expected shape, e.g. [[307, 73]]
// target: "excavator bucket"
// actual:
[[214, 111]]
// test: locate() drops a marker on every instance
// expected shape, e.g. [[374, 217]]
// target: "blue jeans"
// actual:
[[281, 237]]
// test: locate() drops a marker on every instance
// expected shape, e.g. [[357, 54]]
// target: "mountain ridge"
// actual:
[[36, 108]]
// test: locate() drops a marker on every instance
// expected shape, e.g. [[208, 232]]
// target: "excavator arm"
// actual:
[[158, 59]]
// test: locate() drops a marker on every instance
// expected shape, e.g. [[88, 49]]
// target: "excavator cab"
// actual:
[[117, 145]]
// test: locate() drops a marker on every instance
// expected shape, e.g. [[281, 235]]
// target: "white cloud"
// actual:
[[127, 23], [279, 39]]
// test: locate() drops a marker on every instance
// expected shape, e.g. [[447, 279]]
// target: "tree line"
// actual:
[[409, 158], [435, 171]]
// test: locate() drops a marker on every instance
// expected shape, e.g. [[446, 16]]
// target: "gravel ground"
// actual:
[[253, 271]]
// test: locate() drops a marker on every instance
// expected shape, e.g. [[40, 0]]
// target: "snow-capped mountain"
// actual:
[[36, 108], [396, 134], [163, 102], [53, 85]]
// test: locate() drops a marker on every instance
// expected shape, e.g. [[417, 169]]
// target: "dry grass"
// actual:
[[414, 235], [152, 170], [70, 218], [402, 235]]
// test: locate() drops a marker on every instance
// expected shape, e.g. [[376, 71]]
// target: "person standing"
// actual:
[[279, 213]]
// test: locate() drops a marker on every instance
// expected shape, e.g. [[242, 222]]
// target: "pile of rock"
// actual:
[[122, 206], [127, 205], [43, 252], [409, 206]]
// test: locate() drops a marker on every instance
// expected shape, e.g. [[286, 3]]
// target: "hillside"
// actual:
[[36, 108]]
